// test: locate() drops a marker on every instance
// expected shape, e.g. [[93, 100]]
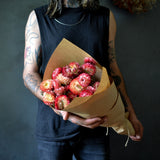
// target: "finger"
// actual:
[[139, 133], [135, 138], [97, 124], [65, 115], [105, 119], [84, 122], [92, 121]]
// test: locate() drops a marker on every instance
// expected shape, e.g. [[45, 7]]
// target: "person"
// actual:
[[60, 134]]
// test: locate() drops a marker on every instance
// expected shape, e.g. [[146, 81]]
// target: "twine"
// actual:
[[127, 138], [107, 132]]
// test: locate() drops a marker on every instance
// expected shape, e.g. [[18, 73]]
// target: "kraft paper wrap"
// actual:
[[106, 101]]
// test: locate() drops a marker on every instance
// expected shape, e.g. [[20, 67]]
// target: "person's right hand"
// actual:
[[89, 123]]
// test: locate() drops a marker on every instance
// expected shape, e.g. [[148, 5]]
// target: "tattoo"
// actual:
[[32, 82], [72, 3], [31, 58], [31, 55], [124, 101], [31, 36], [111, 52], [117, 80], [26, 52]]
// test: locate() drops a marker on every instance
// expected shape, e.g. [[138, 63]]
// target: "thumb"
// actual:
[[65, 115]]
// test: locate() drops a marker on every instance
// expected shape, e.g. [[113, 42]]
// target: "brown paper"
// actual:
[[106, 101]]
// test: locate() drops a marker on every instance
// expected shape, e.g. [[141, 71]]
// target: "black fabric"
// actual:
[[92, 36]]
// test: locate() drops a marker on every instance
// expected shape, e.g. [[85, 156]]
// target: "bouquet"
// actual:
[[68, 82], [87, 90]]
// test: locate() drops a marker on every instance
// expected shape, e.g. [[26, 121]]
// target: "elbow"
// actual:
[[24, 79]]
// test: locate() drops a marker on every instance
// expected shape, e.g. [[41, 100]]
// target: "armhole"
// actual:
[[108, 22], [108, 26], [40, 12], [38, 23]]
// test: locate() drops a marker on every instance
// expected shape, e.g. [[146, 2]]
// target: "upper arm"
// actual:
[[111, 41], [32, 51], [111, 44], [112, 27]]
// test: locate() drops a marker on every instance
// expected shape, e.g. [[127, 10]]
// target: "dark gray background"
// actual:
[[138, 56]]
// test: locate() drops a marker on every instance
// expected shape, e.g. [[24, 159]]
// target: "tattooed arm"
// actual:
[[32, 56], [119, 81]]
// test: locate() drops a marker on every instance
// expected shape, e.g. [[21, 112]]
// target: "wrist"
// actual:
[[132, 115], [39, 94], [129, 105]]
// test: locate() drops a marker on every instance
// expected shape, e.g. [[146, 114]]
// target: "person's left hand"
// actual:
[[137, 125], [85, 122]]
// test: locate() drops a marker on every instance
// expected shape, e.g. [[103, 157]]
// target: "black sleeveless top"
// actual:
[[91, 35]]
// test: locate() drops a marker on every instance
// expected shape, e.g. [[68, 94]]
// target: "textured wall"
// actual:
[[138, 55]]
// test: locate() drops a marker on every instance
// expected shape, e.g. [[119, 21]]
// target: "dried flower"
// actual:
[[135, 6]]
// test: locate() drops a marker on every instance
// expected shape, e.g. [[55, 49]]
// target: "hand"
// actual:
[[138, 128], [89, 123]]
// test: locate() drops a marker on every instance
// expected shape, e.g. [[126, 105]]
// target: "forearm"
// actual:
[[118, 78], [32, 82], [120, 84]]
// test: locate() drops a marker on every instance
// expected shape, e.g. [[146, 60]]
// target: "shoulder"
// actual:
[[112, 20], [32, 23], [112, 26], [41, 9], [32, 15], [37, 11], [103, 10]]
